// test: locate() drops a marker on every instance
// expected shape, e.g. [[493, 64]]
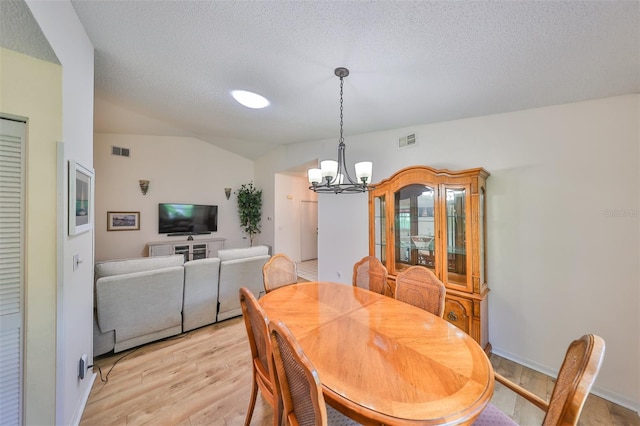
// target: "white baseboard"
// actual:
[[83, 403]]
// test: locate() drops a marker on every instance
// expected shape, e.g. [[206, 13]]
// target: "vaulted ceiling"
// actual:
[[167, 67]]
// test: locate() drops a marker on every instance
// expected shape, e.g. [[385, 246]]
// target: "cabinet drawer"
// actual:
[[458, 311]]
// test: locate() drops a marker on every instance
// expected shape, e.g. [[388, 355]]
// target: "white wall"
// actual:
[[65, 34], [19, 75], [181, 170], [57, 301], [563, 224]]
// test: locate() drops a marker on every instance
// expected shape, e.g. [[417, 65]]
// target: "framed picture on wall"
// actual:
[[80, 198], [123, 221]]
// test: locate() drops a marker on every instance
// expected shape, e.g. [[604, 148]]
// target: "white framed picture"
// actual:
[[123, 221], [80, 198]]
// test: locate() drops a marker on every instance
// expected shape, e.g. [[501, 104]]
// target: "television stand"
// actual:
[[190, 248]]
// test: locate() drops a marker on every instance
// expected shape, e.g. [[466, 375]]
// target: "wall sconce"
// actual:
[[227, 192], [144, 186]]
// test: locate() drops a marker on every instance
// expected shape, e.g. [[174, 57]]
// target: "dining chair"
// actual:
[[256, 323], [420, 287], [299, 384], [577, 374], [279, 271], [369, 273]]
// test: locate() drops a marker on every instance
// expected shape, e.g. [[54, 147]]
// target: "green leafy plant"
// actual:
[[250, 209]]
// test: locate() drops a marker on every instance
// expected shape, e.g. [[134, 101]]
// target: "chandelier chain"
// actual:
[[341, 109]]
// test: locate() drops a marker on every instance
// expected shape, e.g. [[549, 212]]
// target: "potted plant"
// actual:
[[250, 209]]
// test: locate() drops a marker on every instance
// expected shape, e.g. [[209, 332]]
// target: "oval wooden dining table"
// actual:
[[382, 361]]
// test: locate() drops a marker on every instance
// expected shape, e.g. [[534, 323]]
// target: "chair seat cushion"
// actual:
[[492, 416], [336, 418]]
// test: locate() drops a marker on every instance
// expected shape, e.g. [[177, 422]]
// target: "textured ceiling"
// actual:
[[20, 32], [167, 67]]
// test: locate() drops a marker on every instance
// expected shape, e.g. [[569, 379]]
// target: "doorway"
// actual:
[[308, 230]]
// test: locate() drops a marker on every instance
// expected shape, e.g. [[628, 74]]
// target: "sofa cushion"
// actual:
[[200, 302], [241, 253], [127, 266], [235, 274]]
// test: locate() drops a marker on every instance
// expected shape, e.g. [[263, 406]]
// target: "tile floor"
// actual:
[[308, 270]]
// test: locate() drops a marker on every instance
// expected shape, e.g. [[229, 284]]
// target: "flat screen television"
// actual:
[[187, 219]]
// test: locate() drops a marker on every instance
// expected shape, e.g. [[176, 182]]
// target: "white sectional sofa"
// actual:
[[138, 301]]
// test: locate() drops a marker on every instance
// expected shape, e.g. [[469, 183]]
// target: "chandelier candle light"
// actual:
[[332, 176]]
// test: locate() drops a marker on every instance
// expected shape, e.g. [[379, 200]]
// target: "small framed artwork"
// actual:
[[81, 187], [123, 221]]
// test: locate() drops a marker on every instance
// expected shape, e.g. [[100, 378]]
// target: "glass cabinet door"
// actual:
[[481, 236], [456, 235], [380, 226], [414, 207]]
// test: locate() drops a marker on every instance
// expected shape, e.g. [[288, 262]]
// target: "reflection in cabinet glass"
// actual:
[[456, 235], [436, 219], [414, 226]]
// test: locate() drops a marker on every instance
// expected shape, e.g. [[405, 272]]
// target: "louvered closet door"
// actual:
[[12, 134]]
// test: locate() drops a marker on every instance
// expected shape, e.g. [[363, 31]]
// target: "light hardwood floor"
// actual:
[[203, 377]]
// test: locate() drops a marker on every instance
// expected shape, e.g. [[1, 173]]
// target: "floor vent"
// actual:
[[122, 152], [407, 141]]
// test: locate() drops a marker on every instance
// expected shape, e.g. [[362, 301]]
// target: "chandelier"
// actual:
[[332, 176]]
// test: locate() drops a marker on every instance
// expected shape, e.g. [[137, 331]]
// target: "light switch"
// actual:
[[76, 261]]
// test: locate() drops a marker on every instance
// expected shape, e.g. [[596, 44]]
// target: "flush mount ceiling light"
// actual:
[[250, 99], [332, 176]]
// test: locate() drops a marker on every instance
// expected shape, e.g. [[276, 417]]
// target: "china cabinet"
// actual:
[[436, 218]]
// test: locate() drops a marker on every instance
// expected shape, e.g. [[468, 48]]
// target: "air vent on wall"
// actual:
[[122, 152], [407, 141]]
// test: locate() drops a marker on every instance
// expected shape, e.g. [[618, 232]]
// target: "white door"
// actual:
[[12, 134], [308, 230]]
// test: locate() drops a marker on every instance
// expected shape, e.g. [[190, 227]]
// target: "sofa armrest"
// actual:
[[140, 303], [102, 342], [200, 303]]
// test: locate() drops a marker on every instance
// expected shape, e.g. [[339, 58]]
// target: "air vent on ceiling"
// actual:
[[122, 152], [407, 141]]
